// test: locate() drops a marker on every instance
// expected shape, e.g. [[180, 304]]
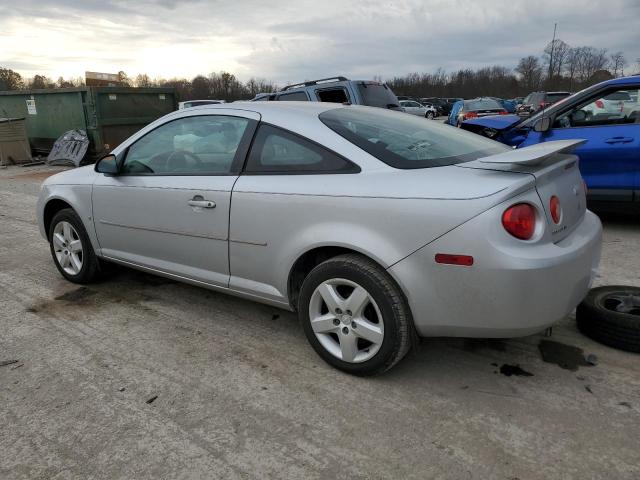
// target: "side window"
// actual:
[[192, 145], [333, 95], [293, 97], [614, 107], [277, 151]]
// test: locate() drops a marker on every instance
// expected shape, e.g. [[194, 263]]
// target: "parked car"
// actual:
[[441, 105], [610, 157], [415, 108], [337, 90], [478, 239], [509, 105], [474, 108], [197, 103], [537, 101]]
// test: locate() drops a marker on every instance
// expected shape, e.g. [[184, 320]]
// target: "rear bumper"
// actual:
[[513, 289]]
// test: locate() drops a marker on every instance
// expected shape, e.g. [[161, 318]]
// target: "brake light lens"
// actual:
[[599, 104], [520, 220], [504, 112], [554, 208], [469, 115]]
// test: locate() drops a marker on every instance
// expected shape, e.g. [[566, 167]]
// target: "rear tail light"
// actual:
[[542, 104], [469, 115], [520, 220], [504, 112], [599, 104], [554, 208]]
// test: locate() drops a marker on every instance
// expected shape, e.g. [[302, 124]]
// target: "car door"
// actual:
[[610, 158], [168, 208], [271, 208]]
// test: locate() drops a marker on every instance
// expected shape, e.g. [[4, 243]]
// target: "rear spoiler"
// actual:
[[535, 154]]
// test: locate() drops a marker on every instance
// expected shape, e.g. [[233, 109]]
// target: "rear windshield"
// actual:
[[406, 141], [377, 95], [481, 104], [619, 95], [554, 97]]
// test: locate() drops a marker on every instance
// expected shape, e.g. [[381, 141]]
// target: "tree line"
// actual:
[[560, 67]]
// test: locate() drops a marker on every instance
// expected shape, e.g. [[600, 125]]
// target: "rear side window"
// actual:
[[406, 141], [293, 97], [277, 151], [334, 95], [554, 97]]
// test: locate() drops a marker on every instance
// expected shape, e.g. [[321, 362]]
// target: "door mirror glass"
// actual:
[[542, 125], [107, 164]]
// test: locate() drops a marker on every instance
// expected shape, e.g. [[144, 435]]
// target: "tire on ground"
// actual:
[[399, 332], [90, 270], [597, 319]]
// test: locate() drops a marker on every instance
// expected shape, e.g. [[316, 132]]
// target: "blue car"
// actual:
[[606, 115]]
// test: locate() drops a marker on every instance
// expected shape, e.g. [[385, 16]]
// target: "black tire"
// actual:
[[429, 115], [90, 270], [398, 323], [597, 318]]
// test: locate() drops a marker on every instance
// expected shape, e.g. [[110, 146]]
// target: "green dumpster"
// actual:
[[109, 115]]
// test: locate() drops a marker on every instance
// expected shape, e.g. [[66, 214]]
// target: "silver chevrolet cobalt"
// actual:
[[375, 226]]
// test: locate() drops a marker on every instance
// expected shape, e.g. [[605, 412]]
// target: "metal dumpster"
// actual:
[[108, 114], [14, 146]]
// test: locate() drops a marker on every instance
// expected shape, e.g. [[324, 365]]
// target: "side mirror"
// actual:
[[542, 125], [107, 164]]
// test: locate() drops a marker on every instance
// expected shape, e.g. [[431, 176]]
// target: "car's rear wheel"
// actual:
[[429, 115], [71, 248], [355, 316]]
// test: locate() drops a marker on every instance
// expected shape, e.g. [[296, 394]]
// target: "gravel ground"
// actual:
[[141, 377]]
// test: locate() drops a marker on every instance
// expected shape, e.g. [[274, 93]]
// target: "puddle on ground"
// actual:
[[514, 370], [77, 295], [565, 356]]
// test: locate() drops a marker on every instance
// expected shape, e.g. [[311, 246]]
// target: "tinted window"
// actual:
[[191, 145], [377, 95], [334, 95], [293, 97], [619, 95], [554, 97], [405, 141], [278, 151], [482, 104]]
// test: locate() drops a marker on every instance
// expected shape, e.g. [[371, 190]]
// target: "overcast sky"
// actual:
[[297, 40]]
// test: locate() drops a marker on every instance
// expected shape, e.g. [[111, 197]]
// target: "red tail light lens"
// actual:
[[599, 104], [520, 220], [554, 207], [504, 112], [469, 115]]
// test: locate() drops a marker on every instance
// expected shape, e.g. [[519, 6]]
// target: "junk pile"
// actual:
[[69, 149]]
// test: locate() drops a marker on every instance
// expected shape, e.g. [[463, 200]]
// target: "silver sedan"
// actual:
[[375, 226]]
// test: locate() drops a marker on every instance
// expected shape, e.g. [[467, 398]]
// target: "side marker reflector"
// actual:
[[449, 259]]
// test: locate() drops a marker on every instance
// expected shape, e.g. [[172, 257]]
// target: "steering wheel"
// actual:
[[185, 154]]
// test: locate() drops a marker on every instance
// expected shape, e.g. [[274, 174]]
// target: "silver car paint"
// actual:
[[396, 217]]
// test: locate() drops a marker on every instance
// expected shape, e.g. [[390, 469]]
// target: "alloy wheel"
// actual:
[[346, 320], [67, 247]]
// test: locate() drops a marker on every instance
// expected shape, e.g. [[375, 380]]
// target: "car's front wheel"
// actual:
[[71, 248], [355, 316]]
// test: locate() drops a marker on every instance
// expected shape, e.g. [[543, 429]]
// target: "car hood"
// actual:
[[75, 176], [498, 122]]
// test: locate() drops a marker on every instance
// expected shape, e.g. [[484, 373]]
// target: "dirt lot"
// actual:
[[140, 377]]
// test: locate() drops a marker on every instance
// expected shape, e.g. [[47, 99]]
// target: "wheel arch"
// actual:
[[309, 259], [53, 206]]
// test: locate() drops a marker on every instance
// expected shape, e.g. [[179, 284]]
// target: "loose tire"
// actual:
[[611, 315], [71, 248], [355, 316]]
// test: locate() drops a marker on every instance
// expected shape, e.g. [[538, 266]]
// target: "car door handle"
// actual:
[[619, 140], [201, 202]]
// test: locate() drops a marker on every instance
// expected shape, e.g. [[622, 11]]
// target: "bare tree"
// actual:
[[617, 63], [123, 78], [530, 72], [554, 57], [143, 81]]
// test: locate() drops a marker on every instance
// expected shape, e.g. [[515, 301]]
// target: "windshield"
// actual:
[[406, 141], [377, 95]]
